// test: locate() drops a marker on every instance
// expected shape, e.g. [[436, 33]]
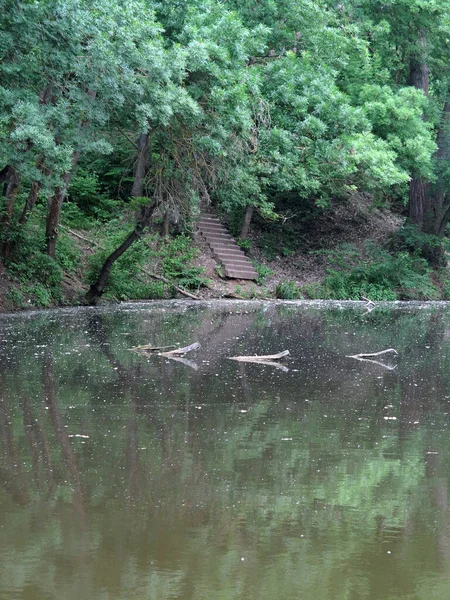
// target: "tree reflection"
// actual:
[[224, 482]]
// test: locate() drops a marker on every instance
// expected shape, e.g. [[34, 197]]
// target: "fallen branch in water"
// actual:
[[185, 361], [256, 358], [269, 363], [151, 349], [376, 362], [372, 354], [369, 358], [180, 351]]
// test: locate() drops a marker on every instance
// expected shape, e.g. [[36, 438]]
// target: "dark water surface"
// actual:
[[134, 478]]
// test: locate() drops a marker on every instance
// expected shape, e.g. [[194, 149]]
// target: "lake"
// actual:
[[134, 477]]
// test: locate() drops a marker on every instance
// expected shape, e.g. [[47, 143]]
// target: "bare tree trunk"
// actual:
[[54, 208], [55, 203], [97, 288], [440, 191], [12, 188], [33, 195], [166, 224], [418, 188], [141, 166], [418, 194], [144, 218], [246, 223]]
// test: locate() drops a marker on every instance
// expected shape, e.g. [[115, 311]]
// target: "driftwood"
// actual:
[[180, 351], [372, 354], [267, 360], [256, 358], [164, 350], [369, 358], [269, 363], [175, 354], [151, 349], [185, 361], [145, 271]]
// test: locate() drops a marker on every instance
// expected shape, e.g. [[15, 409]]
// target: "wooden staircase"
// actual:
[[225, 249]]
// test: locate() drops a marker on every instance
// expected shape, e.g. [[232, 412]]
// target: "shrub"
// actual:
[[378, 275], [262, 271], [287, 290]]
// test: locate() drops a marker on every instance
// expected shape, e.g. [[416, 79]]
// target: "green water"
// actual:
[[134, 478]]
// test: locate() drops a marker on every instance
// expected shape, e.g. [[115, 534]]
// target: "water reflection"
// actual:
[[123, 476]]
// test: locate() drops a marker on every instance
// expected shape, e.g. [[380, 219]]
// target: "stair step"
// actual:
[[235, 263], [228, 250], [225, 243], [211, 224], [239, 274], [218, 236], [229, 255], [227, 258]]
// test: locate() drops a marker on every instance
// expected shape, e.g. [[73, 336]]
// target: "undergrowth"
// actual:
[[39, 276], [377, 275], [172, 258]]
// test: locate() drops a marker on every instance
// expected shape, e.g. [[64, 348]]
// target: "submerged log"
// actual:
[[180, 351], [185, 361], [370, 358], [372, 354], [150, 348], [165, 350], [261, 358]]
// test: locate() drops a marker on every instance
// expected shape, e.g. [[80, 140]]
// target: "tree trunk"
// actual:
[[166, 224], [30, 202], [54, 208], [418, 188], [97, 288], [12, 188], [441, 196], [33, 195], [137, 191], [418, 194], [55, 203], [144, 218], [246, 223]]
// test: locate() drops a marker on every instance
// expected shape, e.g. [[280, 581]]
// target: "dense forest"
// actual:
[[120, 121]]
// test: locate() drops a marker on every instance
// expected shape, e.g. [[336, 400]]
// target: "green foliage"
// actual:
[[244, 244], [173, 258], [177, 257], [287, 290], [246, 104], [85, 193], [40, 276], [377, 275], [263, 272]]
